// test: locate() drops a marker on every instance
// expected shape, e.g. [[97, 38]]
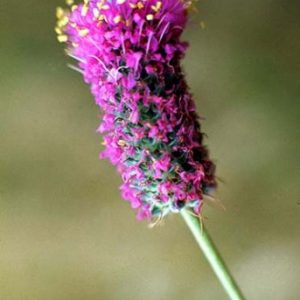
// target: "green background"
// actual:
[[65, 232]]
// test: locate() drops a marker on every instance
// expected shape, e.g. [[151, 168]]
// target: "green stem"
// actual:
[[212, 255]]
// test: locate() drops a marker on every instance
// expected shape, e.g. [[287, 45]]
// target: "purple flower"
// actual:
[[129, 52]]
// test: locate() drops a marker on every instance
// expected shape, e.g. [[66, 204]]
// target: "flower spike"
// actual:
[[129, 52]]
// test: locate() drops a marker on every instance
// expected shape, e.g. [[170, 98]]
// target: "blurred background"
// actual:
[[65, 232]]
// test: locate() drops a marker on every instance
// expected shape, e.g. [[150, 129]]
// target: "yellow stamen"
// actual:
[[117, 19], [150, 17], [59, 13], [101, 17], [121, 143], [73, 7], [132, 5], [140, 5], [83, 32], [62, 38], [84, 10], [58, 30], [62, 22], [99, 4], [157, 7]]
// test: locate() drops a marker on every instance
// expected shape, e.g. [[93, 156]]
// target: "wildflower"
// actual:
[[129, 52]]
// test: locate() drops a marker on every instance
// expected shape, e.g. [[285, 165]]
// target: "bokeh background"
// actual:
[[65, 232]]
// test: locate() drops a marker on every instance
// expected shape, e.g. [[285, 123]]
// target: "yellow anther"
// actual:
[[140, 5], [59, 13], [83, 32], [117, 19], [99, 4], [62, 38], [73, 7], [58, 30], [157, 7], [63, 22], [69, 2], [84, 10], [150, 17], [121, 143], [132, 5]]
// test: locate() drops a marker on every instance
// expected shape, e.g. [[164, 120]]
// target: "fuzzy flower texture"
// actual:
[[129, 52]]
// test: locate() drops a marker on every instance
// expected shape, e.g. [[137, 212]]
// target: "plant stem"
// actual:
[[212, 255]]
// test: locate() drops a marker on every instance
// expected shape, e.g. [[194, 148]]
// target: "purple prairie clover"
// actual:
[[129, 52]]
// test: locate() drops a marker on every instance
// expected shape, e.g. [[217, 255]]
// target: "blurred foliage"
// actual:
[[65, 232]]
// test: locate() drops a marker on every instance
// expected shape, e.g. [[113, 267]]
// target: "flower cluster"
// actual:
[[129, 52]]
